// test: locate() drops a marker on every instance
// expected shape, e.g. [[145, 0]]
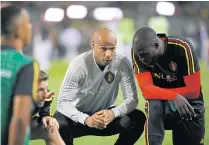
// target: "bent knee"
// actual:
[[134, 119], [53, 134], [54, 137], [155, 106], [138, 117]]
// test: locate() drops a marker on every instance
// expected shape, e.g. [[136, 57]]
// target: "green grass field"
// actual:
[[57, 73]]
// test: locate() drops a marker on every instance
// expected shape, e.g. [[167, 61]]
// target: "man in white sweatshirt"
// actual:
[[89, 90]]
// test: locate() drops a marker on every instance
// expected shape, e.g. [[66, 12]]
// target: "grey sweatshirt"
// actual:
[[87, 89]]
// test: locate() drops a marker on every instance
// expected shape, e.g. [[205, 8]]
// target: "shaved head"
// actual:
[[147, 46], [104, 44], [104, 36], [144, 38], [145, 33]]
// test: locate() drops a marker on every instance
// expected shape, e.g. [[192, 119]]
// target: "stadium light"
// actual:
[[54, 15], [165, 8], [107, 13], [76, 11]]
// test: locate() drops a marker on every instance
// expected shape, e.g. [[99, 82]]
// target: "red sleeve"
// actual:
[[150, 91], [192, 89]]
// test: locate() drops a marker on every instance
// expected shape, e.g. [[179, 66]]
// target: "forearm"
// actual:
[[188, 93], [150, 91], [154, 92], [17, 131], [126, 107], [67, 109], [192, 88]]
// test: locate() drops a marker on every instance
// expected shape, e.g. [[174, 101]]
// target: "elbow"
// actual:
[[196, 93], [136, 102], [59, 106], [60, 103], [193, 93], [144, 93], [20, 121]]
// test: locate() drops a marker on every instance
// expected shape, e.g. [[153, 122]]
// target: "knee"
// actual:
[[54, 138], [61, 119], [134, 120], [155, 105], [138, 117]]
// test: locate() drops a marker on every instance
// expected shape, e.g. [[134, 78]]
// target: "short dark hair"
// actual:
[[44, 76], [8, 15]]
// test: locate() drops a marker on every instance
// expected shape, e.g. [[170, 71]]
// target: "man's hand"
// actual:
[[95, 121], [50, 123], [185, 110], [107, 115]]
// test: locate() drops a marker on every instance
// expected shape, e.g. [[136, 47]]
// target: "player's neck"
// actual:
[[11, 42], [162, 47], [102, 67]]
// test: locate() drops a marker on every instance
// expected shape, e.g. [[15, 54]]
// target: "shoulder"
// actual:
[[123, 60], [181, 43], [81, 60]]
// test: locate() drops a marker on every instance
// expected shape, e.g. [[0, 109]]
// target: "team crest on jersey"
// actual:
[[109, 77], [173, 66]]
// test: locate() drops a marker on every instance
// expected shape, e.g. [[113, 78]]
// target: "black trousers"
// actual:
[[130, 128], [160, 117]]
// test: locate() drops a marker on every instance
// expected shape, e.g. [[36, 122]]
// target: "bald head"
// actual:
[[104, 36], [145, 37], [145, 34], [147, 46]]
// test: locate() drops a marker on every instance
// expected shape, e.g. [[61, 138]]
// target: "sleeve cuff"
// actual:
[[82, 117], [116, 111]]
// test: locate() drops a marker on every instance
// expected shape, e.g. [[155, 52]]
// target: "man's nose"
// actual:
[[108, 53], [45, 94]]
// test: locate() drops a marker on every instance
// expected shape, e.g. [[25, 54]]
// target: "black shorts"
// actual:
[[160, 117]]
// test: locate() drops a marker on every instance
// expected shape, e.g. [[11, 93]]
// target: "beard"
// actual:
[[154, 60]]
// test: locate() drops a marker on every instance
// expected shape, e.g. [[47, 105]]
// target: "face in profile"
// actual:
[[42, 93]]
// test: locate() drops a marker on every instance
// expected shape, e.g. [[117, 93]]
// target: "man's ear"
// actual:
[[17, 33], [92, 44]]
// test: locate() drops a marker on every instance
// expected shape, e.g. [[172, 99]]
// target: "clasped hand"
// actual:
[[100, 119]]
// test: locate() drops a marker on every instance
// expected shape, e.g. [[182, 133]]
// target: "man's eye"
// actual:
[[104, 48], [143, 55], [41, 89], [156, 45]]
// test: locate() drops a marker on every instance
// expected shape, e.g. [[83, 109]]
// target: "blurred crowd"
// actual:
[[70, 37]]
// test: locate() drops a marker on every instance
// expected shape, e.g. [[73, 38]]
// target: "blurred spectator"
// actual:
[[42, 48], [54, 40], [70, 38]]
